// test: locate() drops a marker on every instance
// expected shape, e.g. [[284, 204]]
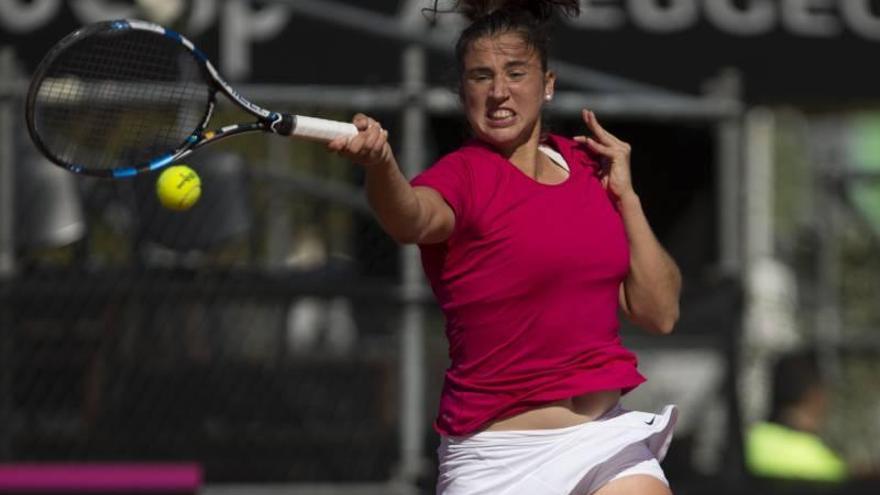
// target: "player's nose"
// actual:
[[499, 89]]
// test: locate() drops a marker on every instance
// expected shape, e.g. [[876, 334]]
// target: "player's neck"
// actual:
[[526, 156]]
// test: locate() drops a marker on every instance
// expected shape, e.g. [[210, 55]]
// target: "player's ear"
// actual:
[[549, 85]]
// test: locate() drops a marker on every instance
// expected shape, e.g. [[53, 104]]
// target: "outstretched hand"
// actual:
[[368, 147], [614, 155]]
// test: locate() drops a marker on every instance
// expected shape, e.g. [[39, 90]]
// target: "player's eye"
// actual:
[[481, 77]]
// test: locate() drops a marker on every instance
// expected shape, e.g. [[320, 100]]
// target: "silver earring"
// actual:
[[548, 97]]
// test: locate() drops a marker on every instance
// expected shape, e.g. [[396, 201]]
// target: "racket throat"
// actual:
[[282, 123]]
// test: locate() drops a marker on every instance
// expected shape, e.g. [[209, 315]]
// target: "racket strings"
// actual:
[[120, 99]]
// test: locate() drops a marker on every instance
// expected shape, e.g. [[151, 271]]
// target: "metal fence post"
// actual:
[[729, 160], [7, 243], [412, 338]]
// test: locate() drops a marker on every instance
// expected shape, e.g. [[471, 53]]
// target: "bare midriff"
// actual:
[[560, 414]]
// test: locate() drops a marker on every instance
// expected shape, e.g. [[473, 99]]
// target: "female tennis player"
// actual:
[[531, 242]]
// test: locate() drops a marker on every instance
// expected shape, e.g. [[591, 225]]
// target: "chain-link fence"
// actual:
[[255, 333]]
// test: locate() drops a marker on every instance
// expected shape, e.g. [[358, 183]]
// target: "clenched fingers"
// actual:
[[368, 147]]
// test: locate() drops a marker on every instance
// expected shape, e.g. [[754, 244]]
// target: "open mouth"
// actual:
[[500, 116]]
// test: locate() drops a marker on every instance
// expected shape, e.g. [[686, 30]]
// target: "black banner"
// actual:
[[788, 51]]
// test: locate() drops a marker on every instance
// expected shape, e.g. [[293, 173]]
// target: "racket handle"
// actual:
[[320, 129]]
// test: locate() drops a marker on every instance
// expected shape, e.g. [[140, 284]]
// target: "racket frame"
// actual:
[[284, 124]]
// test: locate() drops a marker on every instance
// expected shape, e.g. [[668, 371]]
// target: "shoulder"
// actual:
[[452, 175], [573, 151], [455, 162], [470, 162], [467, 154]]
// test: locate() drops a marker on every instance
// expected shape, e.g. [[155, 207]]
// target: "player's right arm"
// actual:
[[408, 214]]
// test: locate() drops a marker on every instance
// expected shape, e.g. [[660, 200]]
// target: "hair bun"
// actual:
[[542, 10]]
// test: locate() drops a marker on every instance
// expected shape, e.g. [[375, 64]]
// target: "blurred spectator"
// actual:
[[318, 322], [788, 446]]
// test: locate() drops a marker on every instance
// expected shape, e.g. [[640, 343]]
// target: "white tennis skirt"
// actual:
[[575, 460]]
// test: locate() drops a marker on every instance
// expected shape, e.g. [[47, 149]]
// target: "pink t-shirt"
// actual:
[[528, 282]]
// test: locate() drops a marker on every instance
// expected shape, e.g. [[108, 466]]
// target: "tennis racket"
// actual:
[[119, 98]]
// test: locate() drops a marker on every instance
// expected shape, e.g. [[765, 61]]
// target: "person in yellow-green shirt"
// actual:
[[788, 445]]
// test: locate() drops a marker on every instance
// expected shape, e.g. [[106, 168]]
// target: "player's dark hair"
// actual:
[[528, 18]]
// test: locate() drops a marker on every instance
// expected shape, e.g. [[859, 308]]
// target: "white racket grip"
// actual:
[[321, 129]]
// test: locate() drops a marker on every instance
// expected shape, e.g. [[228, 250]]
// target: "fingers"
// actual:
[[338, 143], [367, 147], [612, 155], [593, 123], [602, 141], [597, 130], [593, 144], [361, 121]]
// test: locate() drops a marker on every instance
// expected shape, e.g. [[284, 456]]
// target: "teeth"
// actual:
[[501, 114]]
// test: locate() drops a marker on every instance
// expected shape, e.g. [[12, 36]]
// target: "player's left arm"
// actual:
[[649, 295]]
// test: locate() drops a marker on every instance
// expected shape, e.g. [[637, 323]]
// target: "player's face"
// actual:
[[503, 88]]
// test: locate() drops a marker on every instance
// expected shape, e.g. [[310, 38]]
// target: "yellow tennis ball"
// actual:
[[178, 187]]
